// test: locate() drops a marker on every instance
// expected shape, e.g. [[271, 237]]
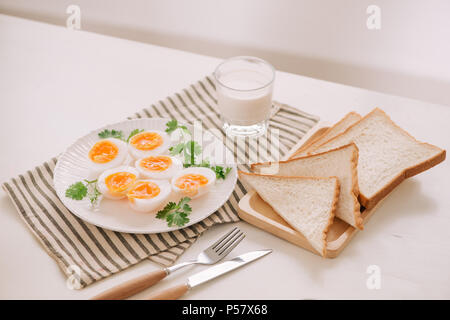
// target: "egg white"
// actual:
[[173, 169], [137, 154], [97, 168], [103, 188], [206, 172], [148, 205]]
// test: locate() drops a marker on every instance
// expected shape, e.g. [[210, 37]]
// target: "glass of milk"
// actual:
[[244, 95]]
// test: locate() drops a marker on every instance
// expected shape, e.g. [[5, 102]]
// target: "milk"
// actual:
[[244, 97]]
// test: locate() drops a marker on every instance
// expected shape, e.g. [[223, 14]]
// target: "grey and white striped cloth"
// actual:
[[97, 253]]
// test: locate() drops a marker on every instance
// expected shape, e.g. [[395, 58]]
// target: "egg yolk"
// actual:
[[191, 182], [143, 190], [118, 182], [103, 151], [158, 163], [146, 141]]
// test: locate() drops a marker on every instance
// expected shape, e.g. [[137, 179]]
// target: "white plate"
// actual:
[[73, 166]]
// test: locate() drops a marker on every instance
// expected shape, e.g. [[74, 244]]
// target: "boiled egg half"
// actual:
[[106, 154], [115, 183], [193, 182], [148, 143], [158, 167], [148, 195]]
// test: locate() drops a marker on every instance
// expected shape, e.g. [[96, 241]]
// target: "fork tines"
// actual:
[[228, 242]]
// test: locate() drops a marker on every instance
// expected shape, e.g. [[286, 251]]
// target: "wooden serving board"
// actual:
[[257, 212]]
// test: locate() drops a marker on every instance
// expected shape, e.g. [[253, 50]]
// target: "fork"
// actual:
[[214, 253]]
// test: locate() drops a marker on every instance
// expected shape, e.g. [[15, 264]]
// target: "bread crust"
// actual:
[[369, 203], [305, 147], [284, 177], [355, 186], [407, 173], [332, 212], [337, 190]]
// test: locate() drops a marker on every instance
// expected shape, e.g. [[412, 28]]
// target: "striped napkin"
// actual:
[[90, 253]]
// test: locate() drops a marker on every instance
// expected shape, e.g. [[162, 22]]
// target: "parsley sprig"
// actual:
[[76, 191], [221, 172], [176, 214], [173, 125], [118, 134], [79, 190], [189, 149]]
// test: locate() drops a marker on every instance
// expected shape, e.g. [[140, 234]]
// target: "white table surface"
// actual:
[[56, 85]]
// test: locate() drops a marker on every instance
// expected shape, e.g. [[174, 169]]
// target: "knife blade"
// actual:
[[225, 267], [209, 274]]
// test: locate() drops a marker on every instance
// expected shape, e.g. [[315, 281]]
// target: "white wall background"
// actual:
[[326, 39]]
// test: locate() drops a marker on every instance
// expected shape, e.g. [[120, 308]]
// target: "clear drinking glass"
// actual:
[[244, 95]]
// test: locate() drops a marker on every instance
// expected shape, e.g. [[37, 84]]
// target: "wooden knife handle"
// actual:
[[171, 293], [132, 286]]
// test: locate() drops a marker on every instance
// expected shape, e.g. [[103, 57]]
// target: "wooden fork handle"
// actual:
[[171, 293], [131, 287]]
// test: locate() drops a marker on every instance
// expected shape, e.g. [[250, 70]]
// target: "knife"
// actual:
[[209, 274]]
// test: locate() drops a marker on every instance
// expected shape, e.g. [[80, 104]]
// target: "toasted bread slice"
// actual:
[[307, 204], [387, 155], [341, 162], [339, 127]]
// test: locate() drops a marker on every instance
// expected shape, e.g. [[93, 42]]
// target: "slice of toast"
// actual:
[[307, 204], [339, 127], [387, 155], [341, 163]]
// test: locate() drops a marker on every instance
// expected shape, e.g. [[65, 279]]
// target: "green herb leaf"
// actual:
[[162, 214], [176, 214], [172, 125], [185, 129], [184, 201], [227, 171], [176, 149], [76, 191], [219, 172], [191, 149], [197, 148], [79, 190], [133, 133], [187, 160], [111, 134], [178, 218], [187, 208]]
